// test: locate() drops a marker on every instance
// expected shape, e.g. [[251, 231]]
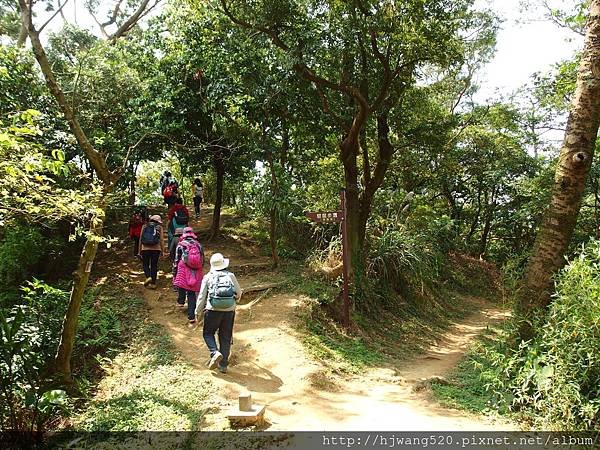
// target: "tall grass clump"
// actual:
[[398, 256]]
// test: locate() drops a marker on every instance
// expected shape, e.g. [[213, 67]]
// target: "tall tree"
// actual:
[[361, 68], [108, 178], [572, 170]]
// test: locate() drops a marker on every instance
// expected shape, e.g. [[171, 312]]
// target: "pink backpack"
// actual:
[[192, 255]]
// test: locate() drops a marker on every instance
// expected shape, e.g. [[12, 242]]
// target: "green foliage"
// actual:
[[19, 84], [29, 185], [100, 328], [20, 250], [558, 374], [30, 334], [467, 389], [26, 403], [149, 388], [10, 19]]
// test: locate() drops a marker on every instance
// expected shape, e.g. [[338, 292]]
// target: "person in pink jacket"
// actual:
[[189, 258]]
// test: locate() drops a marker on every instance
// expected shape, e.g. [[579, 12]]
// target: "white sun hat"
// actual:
[[218, 262]]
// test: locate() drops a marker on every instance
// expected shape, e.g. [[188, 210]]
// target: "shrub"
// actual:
[[20, 251], [26, 402], [29, 334], [400, 257], [556, 376]]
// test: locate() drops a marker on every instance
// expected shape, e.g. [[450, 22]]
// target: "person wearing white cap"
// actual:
[[219, 293]]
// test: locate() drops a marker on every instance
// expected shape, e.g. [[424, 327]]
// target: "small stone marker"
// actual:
[[247, 414], [245, 401]]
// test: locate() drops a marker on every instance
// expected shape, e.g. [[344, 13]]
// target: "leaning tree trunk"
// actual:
[[62, 360], [97, 161], [220, 175], [573, 166]]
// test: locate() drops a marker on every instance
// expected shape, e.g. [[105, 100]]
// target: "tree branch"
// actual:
[[329, 111], [58, 11], [129, 23], [115, 13], [90, 152], [102, 30], [133, 20]]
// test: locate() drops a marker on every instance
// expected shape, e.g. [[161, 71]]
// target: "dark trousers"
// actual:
[[197, 201], [221, 321], [136, 245], [150, 260], [191, 297]]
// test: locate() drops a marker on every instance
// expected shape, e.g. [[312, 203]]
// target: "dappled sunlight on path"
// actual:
[[269, 359]]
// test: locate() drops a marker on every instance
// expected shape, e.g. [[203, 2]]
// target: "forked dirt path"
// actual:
[[269, 360]]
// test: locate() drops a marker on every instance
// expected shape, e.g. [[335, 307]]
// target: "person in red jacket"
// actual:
[[176, 206], [135, 230]]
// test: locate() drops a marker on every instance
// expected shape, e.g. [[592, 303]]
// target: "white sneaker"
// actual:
[[215, 360]]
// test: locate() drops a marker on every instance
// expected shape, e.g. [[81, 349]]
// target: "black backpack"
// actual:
[[181, 217]]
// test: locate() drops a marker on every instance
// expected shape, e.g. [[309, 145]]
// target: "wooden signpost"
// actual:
[[340, 217]]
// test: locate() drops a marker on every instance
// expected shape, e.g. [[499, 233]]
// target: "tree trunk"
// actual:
[[23, 30], [132, 185], [483, 244], [62, 360], [219, 167], [273, 236], [355, 220], [273, 212], [455, 211], [475, 222], [573, 166], [96, 159], [487, 225]]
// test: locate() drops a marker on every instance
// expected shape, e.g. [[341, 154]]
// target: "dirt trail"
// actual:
[[269, 360]]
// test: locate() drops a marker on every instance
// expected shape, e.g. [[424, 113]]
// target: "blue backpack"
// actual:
[[221, 291], [150, 236]]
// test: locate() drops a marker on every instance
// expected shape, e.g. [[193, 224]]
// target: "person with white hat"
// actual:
[[219, 293], [151, 248]]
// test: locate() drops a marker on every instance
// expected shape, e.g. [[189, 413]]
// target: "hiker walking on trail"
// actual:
[[177, 217], [197, 192], [151, 248], [171, 193], [187, 276], [174, 243], [165, 179], [219, 293], [136, 222]]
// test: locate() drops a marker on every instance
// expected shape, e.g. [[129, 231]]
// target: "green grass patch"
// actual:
[[147, 387], [468, 386], [144, 385], [466, 390], [342, 352], [254, 229]]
